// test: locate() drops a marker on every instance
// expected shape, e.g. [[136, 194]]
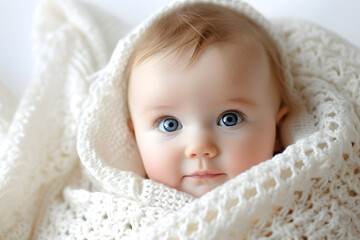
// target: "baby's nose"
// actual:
[[201, 148]]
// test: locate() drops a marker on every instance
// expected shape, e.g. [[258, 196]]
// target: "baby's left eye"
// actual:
[[230, 119]]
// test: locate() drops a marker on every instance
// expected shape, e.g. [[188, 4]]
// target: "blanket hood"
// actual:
[[104, 138]]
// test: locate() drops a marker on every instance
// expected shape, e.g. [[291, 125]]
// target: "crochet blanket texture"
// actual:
[[70, 169]]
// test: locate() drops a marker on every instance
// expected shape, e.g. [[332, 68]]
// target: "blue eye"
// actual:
[[230, 119], [169, 125]]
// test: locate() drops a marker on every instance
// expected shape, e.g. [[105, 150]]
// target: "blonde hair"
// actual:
[[200, 25]]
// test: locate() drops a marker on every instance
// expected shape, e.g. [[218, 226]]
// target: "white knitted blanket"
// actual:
[[70, 169]]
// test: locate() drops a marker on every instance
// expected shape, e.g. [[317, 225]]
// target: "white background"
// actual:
[[342, 17]]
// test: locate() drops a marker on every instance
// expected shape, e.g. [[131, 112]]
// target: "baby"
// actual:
[[206, 96]]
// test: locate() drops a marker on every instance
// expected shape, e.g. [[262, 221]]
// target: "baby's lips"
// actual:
[[204, 174]]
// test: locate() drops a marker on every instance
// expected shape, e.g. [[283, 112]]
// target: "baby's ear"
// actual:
[[281, 114], [131, 126]]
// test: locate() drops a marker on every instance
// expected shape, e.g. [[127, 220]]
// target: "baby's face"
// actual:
[[198, 126]]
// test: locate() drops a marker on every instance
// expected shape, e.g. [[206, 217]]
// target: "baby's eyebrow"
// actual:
[[155, 107], [241, 100], [238, 100]]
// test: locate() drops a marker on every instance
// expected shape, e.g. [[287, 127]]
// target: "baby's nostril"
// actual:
[[193, 155]]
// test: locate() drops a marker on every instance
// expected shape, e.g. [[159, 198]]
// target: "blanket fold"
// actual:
[[40, 144]]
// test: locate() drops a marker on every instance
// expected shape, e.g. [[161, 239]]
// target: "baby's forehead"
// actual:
[[227, 65], [233, 57]]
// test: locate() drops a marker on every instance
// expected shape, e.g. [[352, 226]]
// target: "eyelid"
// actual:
[[157, 121]]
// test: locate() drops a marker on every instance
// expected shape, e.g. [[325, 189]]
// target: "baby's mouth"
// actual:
[[204, 174]]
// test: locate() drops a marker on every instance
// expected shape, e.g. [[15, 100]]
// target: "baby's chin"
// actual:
[[199, 189]]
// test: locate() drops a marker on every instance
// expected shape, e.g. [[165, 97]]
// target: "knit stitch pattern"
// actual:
[[70, 168]]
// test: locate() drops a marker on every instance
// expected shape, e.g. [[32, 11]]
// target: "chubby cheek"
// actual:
[[161, 162], [250, 151]]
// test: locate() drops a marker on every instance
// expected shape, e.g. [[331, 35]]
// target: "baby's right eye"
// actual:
[[169, 125]]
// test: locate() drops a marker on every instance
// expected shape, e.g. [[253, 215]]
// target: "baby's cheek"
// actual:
[[242, 159], [152, 162], [247, 153], [159, 165]]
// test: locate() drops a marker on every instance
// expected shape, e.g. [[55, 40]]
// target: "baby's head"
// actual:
[[206, 97]]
